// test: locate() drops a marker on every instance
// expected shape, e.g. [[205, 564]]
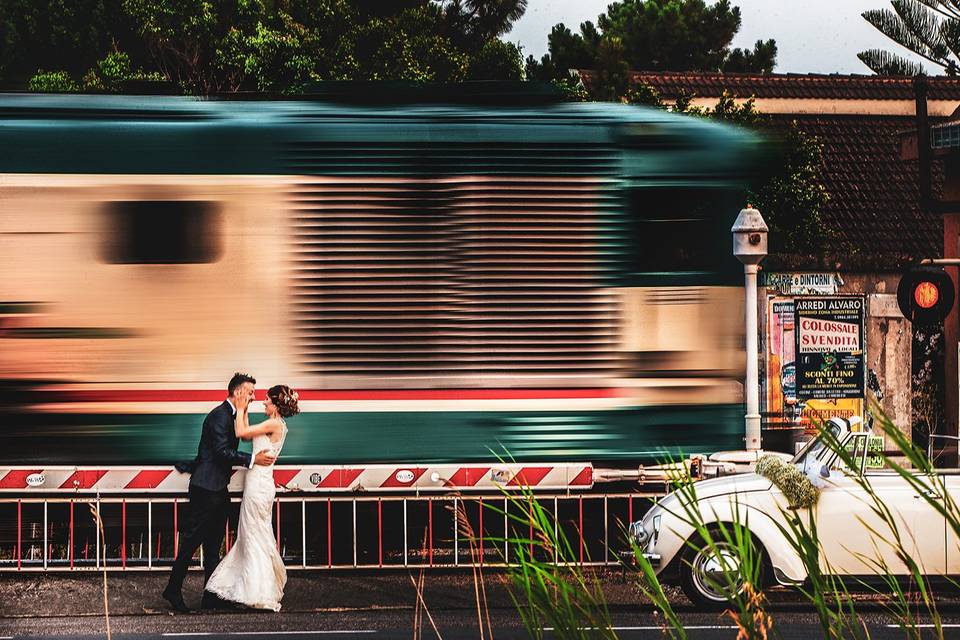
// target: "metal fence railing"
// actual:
[[313, 532]]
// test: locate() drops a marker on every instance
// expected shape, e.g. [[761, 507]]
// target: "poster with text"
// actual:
[[829, 347]]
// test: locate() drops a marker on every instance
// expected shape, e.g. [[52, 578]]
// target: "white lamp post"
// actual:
[[750, 247]]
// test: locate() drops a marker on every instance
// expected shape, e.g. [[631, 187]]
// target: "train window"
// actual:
[[162, 232], [677, 229]]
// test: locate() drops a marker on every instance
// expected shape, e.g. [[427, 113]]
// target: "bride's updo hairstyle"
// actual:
[[285, 399]]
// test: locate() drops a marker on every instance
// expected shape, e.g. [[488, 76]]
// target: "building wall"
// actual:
[[888, 337]]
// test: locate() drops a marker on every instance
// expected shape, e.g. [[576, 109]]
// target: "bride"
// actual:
[[252, 573]]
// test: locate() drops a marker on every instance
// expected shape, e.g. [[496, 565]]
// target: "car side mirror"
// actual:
[[825, 471]]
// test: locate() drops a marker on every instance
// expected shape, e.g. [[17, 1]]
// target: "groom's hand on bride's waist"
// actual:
[[264, 458]]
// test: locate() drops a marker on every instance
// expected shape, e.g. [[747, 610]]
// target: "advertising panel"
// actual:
[[784, 409], [829, 347]]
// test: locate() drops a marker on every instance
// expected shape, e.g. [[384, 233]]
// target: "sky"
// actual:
[[813, 36]]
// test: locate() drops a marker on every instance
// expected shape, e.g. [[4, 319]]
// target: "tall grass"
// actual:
[[651, 587], [741, 561], [549, 586], [551, 589], [823, 589]]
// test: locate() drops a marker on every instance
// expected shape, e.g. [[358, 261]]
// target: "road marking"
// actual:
[[263, 633], [662, 627], [926, 625]]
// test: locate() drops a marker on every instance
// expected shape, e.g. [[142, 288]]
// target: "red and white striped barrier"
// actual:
[[332, 479]]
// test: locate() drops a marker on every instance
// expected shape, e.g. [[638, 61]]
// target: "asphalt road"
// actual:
[[378, 606], [392, 624]]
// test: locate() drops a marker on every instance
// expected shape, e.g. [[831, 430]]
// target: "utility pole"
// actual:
[[750, 247]]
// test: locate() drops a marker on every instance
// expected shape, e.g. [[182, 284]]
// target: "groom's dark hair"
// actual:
[[237, 380]]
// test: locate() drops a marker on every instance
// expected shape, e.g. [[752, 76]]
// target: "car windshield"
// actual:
[[817, 445]]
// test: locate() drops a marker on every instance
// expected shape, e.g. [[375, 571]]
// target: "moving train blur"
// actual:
[[441, 279]]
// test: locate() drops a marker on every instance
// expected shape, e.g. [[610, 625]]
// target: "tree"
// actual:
[[66, 35], [928, 28], [212, 46], [667, 35], [790, 192]]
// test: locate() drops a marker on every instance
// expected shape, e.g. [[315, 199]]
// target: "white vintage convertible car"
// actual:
[[842, 515]]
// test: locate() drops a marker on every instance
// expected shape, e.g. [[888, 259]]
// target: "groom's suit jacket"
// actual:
[[217, 451]]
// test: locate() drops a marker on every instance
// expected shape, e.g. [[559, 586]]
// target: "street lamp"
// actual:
[[750, 247]]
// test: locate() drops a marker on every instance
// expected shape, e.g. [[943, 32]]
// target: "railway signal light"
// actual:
[[925, 295]]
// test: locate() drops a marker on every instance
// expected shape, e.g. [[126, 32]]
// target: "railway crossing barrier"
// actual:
[[330, 532]]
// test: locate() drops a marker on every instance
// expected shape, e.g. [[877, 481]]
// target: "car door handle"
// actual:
[[929, 493]]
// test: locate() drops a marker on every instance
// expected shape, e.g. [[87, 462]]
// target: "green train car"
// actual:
[[441, 280]]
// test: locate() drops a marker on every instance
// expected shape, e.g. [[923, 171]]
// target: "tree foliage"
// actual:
[[212, 46], [790, 192], [928, 28], [652, 35]]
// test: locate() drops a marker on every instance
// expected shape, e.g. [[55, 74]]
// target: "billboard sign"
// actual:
[[829, 347]]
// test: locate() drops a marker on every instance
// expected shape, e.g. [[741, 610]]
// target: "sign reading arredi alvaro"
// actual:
[[830, 353]]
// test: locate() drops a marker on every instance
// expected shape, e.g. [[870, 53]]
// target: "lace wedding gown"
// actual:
[[252, 573]]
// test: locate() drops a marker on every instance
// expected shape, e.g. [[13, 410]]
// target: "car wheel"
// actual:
[[711, 575]]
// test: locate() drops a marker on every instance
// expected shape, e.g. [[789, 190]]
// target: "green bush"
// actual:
[[52, 82]]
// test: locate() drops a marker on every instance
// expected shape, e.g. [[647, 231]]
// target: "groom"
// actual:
[[209, 500]]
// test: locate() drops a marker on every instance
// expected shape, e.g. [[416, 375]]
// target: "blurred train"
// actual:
[[441, 278]]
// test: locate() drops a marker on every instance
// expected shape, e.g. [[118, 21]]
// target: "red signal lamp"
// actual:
[[926, 294]]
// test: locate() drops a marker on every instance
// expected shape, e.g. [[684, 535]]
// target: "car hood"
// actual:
[[740, 483]]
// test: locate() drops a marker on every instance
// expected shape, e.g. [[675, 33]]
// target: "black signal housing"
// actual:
[[925, 295]]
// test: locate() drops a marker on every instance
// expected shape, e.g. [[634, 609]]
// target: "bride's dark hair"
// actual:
[[285, 400]]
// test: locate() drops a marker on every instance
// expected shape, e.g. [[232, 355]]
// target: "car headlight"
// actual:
[[638, 533]]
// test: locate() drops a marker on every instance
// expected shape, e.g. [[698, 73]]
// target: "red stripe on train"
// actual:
[[206, 395]]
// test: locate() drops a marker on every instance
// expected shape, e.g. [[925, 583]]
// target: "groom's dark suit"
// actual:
[[209, 500]]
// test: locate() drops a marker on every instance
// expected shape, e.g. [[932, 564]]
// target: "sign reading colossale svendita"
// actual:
[[830, 349]]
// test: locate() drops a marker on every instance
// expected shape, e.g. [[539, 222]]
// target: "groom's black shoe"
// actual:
[[176, 600]]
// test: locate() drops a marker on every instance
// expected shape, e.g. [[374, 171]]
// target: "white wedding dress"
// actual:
[[252, 573]]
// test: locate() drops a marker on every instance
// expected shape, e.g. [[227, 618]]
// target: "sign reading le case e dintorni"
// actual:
[[830, 349]]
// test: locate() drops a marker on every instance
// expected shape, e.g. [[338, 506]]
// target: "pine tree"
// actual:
[[928, 28]]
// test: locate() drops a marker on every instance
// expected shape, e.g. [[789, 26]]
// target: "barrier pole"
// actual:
[[606, 532], [506, 533], [176, 531], [278, 526], [405, 562], [19, 539], [71, 534], [556, 528], [530, 514], [581, 530], [303, 533], [481, 531], [380, 531], [123, 534], [96, 538], [456, 529], [430, 527], [150, 534], [45, 543], [329, 534]]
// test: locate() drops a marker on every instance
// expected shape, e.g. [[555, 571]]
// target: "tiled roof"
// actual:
[[789, 85], [874, 194]]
